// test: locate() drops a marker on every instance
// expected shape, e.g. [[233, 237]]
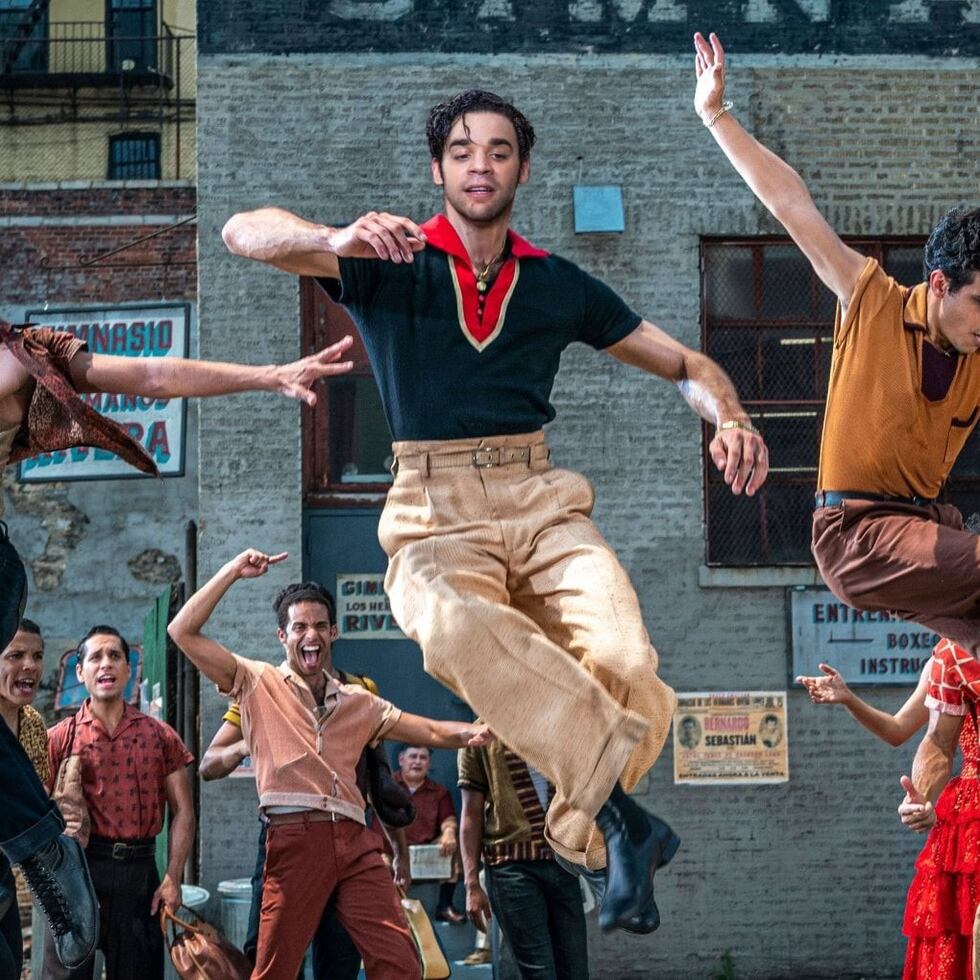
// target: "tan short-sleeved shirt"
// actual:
[[884, 432], [306, 756]]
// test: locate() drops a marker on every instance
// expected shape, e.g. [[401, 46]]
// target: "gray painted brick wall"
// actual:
[[806, 879]]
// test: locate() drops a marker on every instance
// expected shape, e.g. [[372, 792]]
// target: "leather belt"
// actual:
[[120, 850], [831, 498], [484, 458], [305, 816]]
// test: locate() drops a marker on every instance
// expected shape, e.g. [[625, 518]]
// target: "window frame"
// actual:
[[149, 138], [317, 331], [875, 247]]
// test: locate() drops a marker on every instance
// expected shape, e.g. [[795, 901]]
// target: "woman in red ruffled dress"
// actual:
[[944, 894]]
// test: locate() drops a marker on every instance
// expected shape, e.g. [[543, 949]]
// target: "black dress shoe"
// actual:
[[13, 588], [58, 876], [637, 843]]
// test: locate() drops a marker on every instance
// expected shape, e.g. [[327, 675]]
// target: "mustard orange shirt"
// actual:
[[887, 429], [306, 755]]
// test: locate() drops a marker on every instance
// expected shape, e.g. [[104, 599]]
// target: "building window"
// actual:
[[23, 36], [134, 156], [346, 439], [769, 321], [131, 28]]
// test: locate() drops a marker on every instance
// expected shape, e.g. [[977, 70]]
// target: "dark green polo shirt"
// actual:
[[451, 367]]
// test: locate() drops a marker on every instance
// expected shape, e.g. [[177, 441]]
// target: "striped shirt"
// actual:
[[514, 819]]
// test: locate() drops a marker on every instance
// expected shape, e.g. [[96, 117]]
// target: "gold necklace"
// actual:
[[484, 273]]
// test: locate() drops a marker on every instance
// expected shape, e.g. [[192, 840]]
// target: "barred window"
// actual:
[[134, 156], [769, 321]]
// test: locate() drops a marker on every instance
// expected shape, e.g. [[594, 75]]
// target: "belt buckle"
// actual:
[[119, 851], [484, 459]]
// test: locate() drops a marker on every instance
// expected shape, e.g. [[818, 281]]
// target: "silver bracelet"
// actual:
[[725, 107]]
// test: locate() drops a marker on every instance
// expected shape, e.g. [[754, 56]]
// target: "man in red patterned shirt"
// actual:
[[133, 769], [954, 690]]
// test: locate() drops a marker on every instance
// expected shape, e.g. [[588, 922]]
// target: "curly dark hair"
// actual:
[[303, 592], [443, 116], [954, 247]]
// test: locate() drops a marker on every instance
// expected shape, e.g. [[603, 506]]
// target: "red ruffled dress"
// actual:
[[945, 891]]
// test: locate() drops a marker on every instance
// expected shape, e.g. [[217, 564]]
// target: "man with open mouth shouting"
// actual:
[[133, 770], [306, 734]]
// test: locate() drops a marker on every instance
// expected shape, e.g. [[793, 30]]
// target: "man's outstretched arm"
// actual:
[[171, 377], [291, 243], [777, 185], [416, 730], [215, 661], [738, 450]]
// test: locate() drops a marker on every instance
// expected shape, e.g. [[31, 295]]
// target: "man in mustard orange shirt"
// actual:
[[904, 395]]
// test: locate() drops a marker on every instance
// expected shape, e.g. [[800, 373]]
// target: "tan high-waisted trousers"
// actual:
[[522, 609]]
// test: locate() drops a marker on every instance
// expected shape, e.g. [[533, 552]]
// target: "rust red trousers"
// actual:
[[305, 864]]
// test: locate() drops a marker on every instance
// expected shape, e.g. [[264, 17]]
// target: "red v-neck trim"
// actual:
[[479, 330], [440, 233]]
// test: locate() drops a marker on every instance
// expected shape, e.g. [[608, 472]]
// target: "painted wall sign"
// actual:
[[925, 27], [363, 612], [158, 425], [731, 738], [867, 648]]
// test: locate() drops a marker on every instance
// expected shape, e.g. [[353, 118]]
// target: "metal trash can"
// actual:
[[192, 897], [236, 900]]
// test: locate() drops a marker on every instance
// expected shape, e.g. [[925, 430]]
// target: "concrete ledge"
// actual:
[[768, 577], [92, 185]]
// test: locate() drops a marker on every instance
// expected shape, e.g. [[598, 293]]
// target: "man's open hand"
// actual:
[[709, 67], [829, 689], [296, 380]]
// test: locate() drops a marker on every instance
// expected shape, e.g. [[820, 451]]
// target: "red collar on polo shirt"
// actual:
[[480, 318]]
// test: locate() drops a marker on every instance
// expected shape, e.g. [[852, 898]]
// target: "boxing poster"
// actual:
[[731, 737]]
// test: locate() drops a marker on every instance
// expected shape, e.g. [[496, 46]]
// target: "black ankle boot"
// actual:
[[637, 843], [58, 877]]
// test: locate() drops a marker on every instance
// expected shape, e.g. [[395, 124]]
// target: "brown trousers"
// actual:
[[305, 864], [916, 561], [523, 610]]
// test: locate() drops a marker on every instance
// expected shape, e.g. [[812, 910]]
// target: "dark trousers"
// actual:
[[129, 937], [28, 818], [335, 957], [11, 943], [539, 908]]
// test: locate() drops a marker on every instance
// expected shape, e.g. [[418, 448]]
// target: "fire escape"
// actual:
[[97, 72]]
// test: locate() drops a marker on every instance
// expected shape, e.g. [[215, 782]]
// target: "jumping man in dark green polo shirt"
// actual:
[[518, 603]]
